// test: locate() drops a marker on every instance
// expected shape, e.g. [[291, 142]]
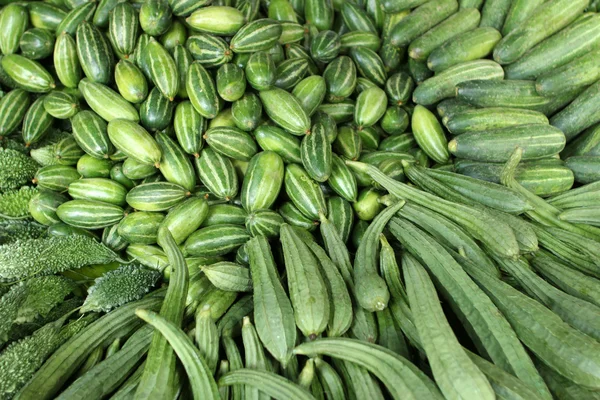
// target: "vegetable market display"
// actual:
[[300, 199]]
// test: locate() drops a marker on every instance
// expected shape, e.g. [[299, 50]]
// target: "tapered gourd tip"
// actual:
[[452, 146]]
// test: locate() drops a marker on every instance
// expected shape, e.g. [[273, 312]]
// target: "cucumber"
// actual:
[[106, 102], [452, 369], [513, 94], [429, 135], [519, 11], [400, 377], [468, 46], [464, 20], [443, 85], [585, 168], [546, 20], [494, 13], [156, 196], [421, 20], [447, 108], [580, 114], [262, 181], [541, 177], [273, 313], [536, 140], [491, 118], [576, 40]]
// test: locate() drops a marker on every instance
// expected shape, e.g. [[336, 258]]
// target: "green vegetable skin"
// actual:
[[195, 183]]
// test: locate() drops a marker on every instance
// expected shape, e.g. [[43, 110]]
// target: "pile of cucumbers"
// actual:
[[300, 199]]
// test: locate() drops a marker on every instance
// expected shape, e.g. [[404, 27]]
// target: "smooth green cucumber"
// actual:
[[577, 39], [546, 20], [421, 20], [468, 46], [491, 118]]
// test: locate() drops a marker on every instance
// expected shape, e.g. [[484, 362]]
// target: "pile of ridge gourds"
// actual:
[[300, 199]]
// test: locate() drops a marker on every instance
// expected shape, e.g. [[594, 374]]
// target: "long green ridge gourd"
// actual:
[[502, 240], [457, 376], [308, 292], [273, 313], [488, 328], [201, 380], [370, 289], [159, 376], [402, 379], [533, 322]]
